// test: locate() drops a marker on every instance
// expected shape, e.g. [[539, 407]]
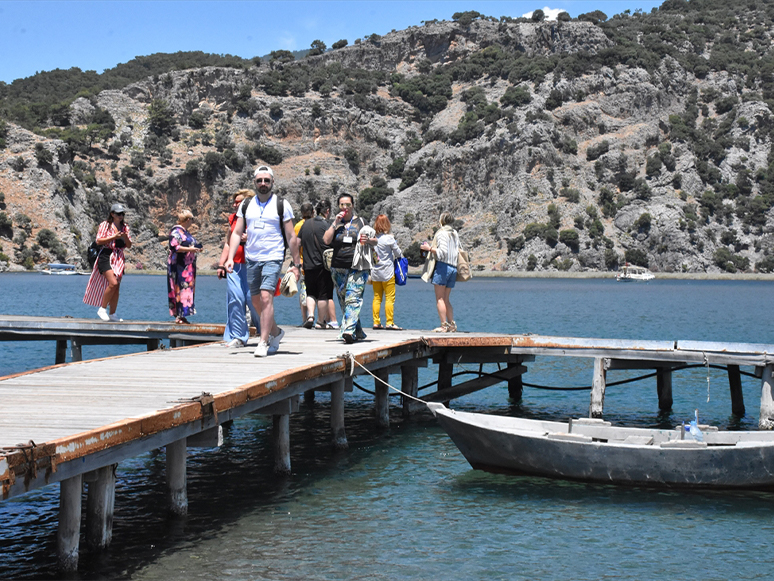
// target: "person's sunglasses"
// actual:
[[345, 205], [119, 213], [262, 180]]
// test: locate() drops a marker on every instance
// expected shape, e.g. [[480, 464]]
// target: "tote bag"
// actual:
[[463, 267], [401, 271]]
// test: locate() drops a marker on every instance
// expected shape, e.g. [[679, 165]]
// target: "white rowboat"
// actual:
[[595, 451]]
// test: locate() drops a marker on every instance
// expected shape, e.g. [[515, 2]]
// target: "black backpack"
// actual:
[[92, 253]]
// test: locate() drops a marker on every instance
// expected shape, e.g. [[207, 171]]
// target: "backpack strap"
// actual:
[[280, 213]]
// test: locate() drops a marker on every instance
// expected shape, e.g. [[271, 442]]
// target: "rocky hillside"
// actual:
[[558, 145]]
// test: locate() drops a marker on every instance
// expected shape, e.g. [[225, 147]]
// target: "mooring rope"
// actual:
[[354, 362]]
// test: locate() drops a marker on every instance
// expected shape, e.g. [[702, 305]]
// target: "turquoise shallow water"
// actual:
[[403, 503]]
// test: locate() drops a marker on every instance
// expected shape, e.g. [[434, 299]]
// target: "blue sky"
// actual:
[[95, 35]]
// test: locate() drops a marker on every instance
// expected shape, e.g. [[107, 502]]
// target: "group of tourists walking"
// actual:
[[338, 256]]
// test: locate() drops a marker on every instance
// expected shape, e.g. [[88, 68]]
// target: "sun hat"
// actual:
[[263, 169], [117, 209]]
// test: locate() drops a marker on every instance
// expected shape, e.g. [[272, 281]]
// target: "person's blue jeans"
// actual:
[[238, 298], [350, 287]]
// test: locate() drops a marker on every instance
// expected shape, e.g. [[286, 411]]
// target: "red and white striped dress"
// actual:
[[95, 289]]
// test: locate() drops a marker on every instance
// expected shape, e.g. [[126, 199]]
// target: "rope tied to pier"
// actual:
[[352, 362]]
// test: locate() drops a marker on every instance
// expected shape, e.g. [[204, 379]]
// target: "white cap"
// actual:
[[263, 169]]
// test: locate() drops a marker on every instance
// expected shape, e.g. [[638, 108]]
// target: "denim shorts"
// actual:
[[445, 274], [263, 276]]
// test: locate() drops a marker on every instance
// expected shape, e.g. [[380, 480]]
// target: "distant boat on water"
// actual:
[[58, 268], [634, 273]]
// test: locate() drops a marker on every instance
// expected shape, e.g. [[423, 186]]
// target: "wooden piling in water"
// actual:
[[735, 386], [766, 419], [69, 529], [337, 414], [598, 384], [382, 398], [177, 489], [100, 500], [409, 384]]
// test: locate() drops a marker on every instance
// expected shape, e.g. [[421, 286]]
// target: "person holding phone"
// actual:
[[104, 283], [181, 268], [350, 265]]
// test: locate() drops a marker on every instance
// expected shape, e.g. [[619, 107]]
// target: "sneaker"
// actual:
[[103, 314], [274, 342], [262, 350], [113, 317], [333, 325], [235, 344]]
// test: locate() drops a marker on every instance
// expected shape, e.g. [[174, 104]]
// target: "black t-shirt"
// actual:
[[311, 236], [344, 252]]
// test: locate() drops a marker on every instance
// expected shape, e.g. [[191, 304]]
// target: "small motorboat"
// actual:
[[634, 273], [593, 450]]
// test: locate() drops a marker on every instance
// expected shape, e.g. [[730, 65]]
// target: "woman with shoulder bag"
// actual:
[[350, 265], [104, 283], [383, 274], [445, 249]]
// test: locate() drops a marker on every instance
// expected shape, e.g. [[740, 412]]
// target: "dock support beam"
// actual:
[[735, 385], [664, 388], [445, 372], [409, 384], [766, 419], [598, 383], [69, 531], [176, 478], [281, 436], [61, 351], [309, 397], [101, 486], [337, 415], [382, 398], [515, 387]]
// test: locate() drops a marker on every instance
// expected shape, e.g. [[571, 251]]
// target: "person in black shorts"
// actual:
[[319, 285]]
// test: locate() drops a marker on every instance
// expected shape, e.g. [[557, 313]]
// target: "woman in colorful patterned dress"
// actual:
[[181, 268], [105, 281]]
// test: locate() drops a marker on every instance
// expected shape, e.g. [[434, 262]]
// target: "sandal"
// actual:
[[393, 328], [321, 325], [378, 327], [452, 327], [182, 321], [444, 328], [309, 323]]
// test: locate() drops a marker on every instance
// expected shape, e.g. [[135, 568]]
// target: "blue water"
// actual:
[[403, 503]]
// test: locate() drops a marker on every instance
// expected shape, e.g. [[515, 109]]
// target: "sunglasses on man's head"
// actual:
[[262, 180]]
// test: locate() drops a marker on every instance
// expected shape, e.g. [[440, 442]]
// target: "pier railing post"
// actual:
[[664, 388], [281, 435], [409, 384], [597, 405], [766, 419], [337, 414], [69, 530], [382, 398], [101, 486], [735, 386], [176, 478]]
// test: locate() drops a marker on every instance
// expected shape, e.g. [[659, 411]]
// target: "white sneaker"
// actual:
[[274, 342], [333, 325], [103, 314], [235, 344], [262, 350], [113, 317]]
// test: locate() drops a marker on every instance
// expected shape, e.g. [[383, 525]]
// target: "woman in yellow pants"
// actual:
[[383, 273]]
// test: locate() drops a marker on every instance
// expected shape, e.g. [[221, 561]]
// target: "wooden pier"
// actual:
[[79, 332], [74, 423]]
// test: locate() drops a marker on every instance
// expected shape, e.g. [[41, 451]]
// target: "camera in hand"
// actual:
[[120, 243]]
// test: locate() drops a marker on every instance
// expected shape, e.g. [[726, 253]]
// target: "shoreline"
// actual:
[[414, 272]]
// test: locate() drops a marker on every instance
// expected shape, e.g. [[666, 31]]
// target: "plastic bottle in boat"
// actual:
[[694, 430]]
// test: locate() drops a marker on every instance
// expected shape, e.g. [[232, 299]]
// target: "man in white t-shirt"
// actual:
[[264, 253]]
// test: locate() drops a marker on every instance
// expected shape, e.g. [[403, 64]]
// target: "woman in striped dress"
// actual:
[[105, 281]]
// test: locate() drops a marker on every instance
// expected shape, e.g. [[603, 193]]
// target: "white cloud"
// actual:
[[551, 13]]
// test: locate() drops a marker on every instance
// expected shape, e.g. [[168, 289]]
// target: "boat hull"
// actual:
[[748, 464]]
